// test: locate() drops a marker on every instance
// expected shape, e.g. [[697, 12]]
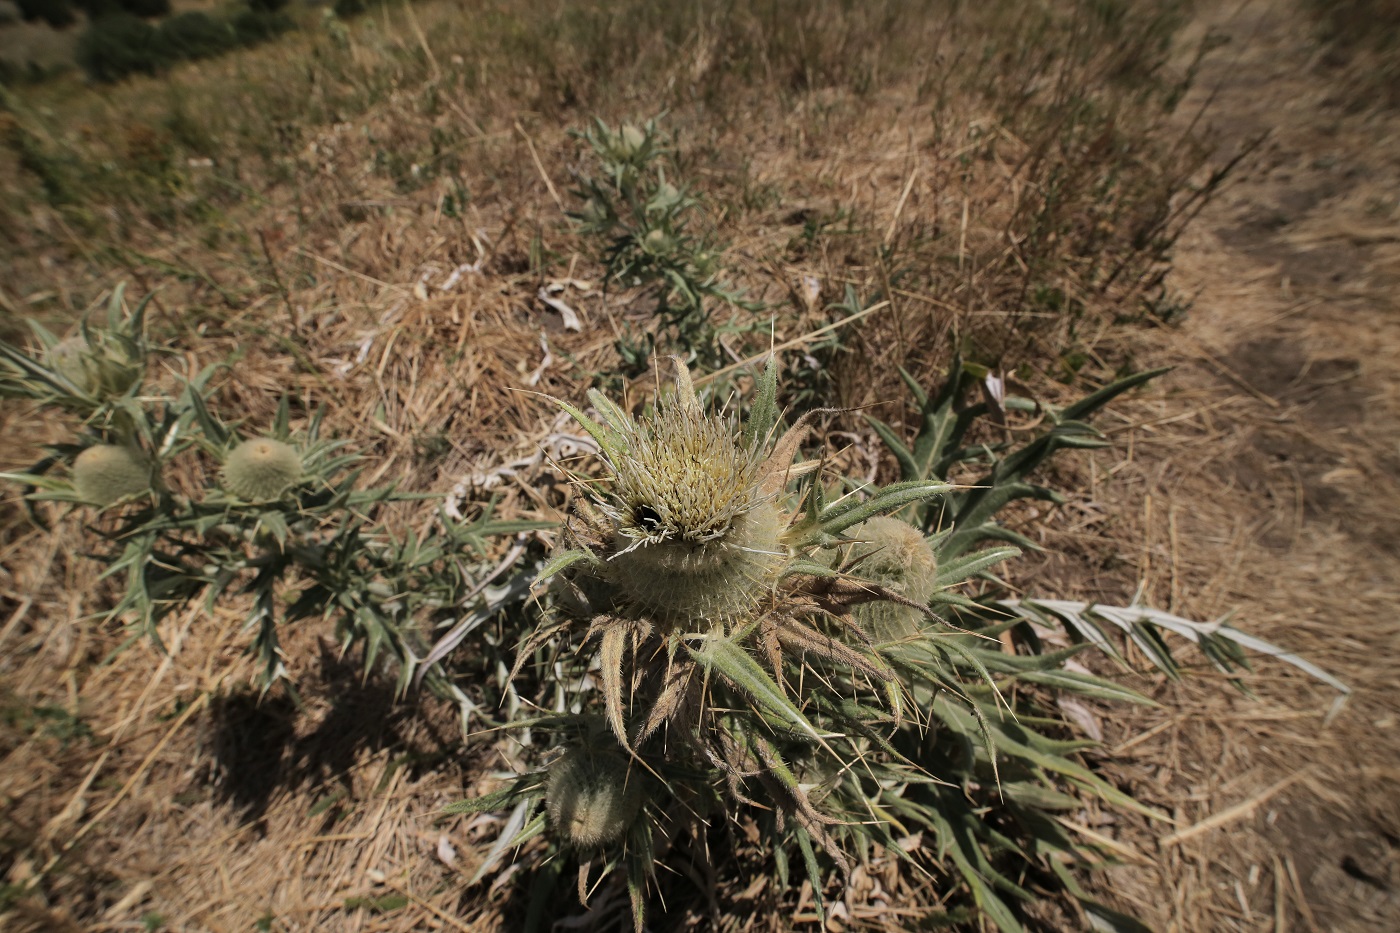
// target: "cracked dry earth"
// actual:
[[1265, 470]]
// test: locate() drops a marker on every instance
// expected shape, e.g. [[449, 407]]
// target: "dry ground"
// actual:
[[1261, 482], [1256, 480]]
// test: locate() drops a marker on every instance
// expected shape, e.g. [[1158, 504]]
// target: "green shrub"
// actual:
[[57, 13], [255, 25], [119, 45], [195, 35]]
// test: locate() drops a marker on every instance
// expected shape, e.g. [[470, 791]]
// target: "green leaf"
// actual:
[[839, 516], [497, 800], [563, 561], [1092, 403], [908, 467], [814, 874], [763, 412], [953, 572], [739, 668], [611, 442]]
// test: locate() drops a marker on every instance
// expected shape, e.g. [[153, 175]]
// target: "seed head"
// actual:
[[104, 473], [261, 469], [897, 556], [591, 797]]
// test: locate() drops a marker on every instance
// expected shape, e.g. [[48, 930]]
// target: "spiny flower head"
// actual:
[[261, 469], [895, 555], [683, 477], [104, 473], [693, 533], [591, 797]]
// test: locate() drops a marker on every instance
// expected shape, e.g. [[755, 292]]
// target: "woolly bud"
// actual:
[[102, 369], [261, 469], [68, 358], [630, 141], [591, 797], [107, 472], [657, 243], [896, 556]]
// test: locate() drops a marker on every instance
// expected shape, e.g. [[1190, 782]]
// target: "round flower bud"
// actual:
[[69, 358], [104, 473], [591, 797], [261, 469], [631, 140], [657, 242], [895, 555]]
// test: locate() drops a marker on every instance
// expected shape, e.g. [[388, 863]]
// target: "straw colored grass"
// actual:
[[1257, 479]]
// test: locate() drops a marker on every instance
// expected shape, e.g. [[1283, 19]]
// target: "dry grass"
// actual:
[[976, 194]]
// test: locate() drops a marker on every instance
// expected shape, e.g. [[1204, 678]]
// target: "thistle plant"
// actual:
[[751, 629], [646, 221], [93, 373], [284, 517]]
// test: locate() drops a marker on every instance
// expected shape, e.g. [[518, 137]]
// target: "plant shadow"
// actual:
[[263, 744]]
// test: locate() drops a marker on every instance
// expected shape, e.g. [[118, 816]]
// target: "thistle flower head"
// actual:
[[104, 473], [895, 555], [693, 534], [591, 797], [683, 477], [261, 469]]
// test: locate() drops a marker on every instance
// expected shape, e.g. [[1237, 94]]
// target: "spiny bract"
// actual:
[[895, 555], [104, 473], [591, 797], [261, 469]]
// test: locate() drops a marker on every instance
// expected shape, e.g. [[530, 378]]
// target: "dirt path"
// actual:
[[1268, 487]]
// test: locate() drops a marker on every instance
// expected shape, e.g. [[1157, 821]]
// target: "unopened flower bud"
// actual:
[[261, 469], [104, 473]]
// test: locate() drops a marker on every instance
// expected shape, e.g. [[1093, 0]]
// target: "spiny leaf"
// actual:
[[814, 874], [563, 561], [611, 654], [739, 668], [763, 411], [1092, 403], [611, 442]]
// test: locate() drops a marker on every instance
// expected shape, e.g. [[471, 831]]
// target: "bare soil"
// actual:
[[1267, 490]]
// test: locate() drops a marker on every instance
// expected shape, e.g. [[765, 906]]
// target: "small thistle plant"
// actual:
[[646, 224], [286, 510]]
